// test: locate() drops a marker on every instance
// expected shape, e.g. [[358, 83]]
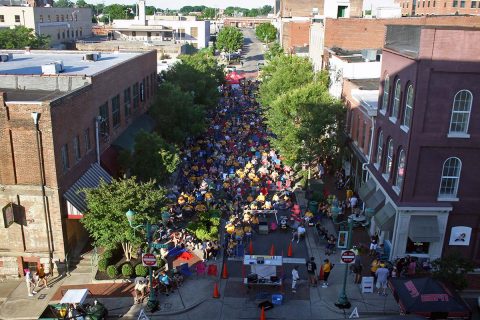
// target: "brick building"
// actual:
[[442, 7], [83, 103], [423, 169]]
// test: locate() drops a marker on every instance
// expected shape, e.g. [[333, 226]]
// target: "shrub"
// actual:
[[127, 270], [112, 271], [108, 254], [140, 270], [102, 264]]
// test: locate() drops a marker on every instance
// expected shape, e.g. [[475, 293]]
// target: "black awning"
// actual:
[[424, 229], [375, 201], [385, 218]]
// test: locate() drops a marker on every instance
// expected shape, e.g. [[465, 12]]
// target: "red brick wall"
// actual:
[[295, 34], [300, 8], [356, 34], [441, 7]]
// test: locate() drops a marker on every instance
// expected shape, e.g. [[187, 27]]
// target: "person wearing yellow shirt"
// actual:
[[239, 233], [200, 207], [230, 228], [181, 200], [308, 216], [261, 198], [248, 165], [254, 206], [327, 268]]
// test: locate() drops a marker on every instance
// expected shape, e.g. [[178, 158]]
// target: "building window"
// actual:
[[423, 4], [428, 4], [41, 18], [473, 5], [17, 18], [194, 32], [58, 36], [76, 33], [445, 4], [389, 159], [65, 163], [68, 33], [63, 35], [386, 90], [417, 247], [86, 140], [81, 32], [462, 105], [76, 148], [63, 18], [400, 170], [450, 178], [407, 116], [462, 4], [116, 111], [455, 4], [135, 96], [105, 121], [134, 33], [396, 99], [379, 148], [49, 19], [2, 18], [127, 101]]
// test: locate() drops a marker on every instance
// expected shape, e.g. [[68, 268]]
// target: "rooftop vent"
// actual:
[[92, 57], [53, 67], [4, 57]]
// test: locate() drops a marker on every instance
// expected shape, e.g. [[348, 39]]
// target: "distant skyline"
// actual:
[[177, 4]]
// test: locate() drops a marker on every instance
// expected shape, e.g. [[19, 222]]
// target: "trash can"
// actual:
[[277, 299], [313, 206]]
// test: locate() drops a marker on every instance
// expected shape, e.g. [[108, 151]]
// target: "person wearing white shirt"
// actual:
[[299, 233], [295, 278]]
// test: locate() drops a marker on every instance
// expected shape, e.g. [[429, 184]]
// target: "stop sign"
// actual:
[[348, 256], [149, 260]]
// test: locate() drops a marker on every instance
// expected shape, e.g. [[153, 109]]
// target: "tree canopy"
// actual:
[[453, 269], [266, 32], [63, 4], [176, 115], [255, 12], [273, 51], [21, 37], [229, 39], [105, 219]]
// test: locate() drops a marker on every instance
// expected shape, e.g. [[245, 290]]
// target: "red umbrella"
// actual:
[[234, 78]]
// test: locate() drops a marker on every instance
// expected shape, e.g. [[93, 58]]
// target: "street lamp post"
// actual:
[[152, 304], [342, 302]]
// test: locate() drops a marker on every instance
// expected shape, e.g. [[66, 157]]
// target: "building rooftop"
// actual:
[[31, 95], [366, 84], [25, 63], [352, 56]]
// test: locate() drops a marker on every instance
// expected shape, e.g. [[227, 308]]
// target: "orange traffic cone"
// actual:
[[225, 271], [216, 294], [272, 250], [290, 250], [262, 314], [250, 248], [320, 275]]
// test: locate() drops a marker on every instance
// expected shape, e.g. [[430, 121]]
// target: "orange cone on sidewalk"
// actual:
[[262, 314], [225, 271], [272, 250], [320, 274], [216, 294], [290, 250], [250, 248]]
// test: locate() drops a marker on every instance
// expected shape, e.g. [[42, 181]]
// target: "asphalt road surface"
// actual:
[[252, 52]]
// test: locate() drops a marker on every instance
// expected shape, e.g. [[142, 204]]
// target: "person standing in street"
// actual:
[[30, 283], [382, 274], [42, 277], [327, 267], [295, 278], [311, 269]]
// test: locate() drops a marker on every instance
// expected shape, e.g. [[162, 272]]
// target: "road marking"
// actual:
[[294, 260]]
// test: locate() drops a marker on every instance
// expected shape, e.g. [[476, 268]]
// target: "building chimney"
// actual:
[[141, 12]]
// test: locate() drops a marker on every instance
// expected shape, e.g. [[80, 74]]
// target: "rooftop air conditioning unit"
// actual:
[[53, 68], [4, 57], [92, 56]]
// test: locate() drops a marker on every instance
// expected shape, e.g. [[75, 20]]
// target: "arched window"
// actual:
[[386, 90], [396, 99], [407, 116], [389, 159], [400, 169], [462, 105], [379, 147], [450, 178]]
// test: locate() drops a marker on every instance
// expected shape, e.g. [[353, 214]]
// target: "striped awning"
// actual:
[[76, 198]]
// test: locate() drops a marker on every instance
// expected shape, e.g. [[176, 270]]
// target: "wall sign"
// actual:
[[460, 236]]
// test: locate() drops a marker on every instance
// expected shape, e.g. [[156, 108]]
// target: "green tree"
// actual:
[[453, 269], [305, 121], [274, 51], [209, 13], [199, 74], [118, 11], [265, 10], [229, 11], [229, 39], [81, 4], [282, 74], [63, 4], [176, 115], [153, 158], [105, 218], [21, 37], [266, 32], [252, 13]]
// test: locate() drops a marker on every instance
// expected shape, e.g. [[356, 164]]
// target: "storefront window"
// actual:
[[417, 247]]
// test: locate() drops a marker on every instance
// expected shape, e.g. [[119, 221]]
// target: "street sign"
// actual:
[[149, 260], [348, 256], [160, 245]]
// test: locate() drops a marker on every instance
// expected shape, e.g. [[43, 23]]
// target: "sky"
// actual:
[[177, 4]]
